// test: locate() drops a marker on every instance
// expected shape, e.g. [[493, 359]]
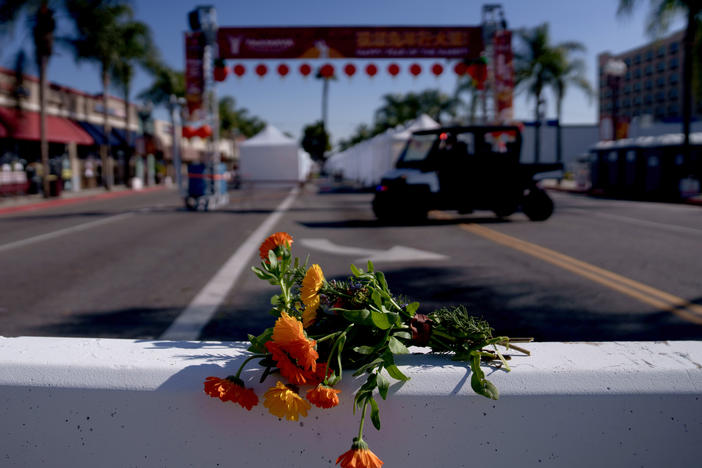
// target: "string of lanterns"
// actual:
[[477, 70]]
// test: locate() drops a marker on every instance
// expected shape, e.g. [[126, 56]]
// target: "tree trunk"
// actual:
[[127, 135], [537, 129], [105, 149], [688, 45], [325, 94], [559, 144], [44, 143]]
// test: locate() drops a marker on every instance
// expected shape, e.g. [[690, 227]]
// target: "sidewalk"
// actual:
[[19, 203], [571, 187]]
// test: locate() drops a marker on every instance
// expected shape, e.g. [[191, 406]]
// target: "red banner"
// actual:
[[504, 76], [350, 42], [194, 77]]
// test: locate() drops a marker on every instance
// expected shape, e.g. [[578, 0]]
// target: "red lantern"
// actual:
[[204, 131], [327, 70], [415, 69], [283, 69], [305, 69], [220, 73], [371, 69], [261, 70], [239, 70], [393, 69], [350, 69], [437, 69], [188, 131], [478, 71], [460, 68]]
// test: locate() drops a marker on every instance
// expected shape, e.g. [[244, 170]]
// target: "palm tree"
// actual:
[[533, 64], [233, 121], [466, 85], [136, 47], [567, 71], [43, 34], [99, 26], [661, 13]]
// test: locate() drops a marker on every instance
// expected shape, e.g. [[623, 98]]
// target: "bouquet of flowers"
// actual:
[[322, 327]]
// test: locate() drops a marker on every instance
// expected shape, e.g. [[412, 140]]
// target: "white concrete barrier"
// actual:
[[123, 403]]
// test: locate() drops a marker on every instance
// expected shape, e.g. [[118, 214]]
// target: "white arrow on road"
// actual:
[[394, 254]]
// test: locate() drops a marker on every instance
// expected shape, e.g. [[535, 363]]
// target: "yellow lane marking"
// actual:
[[642, 292]]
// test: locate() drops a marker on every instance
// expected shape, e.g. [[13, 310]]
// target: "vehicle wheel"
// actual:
[[191, 203], [537, 205]]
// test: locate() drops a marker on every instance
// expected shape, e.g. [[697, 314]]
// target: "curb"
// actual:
[[697, 201], [77, 199]]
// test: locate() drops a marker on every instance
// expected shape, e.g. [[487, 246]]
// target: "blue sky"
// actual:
[[293, 102]]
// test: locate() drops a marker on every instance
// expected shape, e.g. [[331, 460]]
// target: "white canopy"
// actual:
[[272, 156], [367, 161]]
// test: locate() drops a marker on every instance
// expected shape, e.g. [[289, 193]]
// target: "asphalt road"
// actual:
[[129, 267]]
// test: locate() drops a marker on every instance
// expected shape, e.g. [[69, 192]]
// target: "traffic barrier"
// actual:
[[123, 403]]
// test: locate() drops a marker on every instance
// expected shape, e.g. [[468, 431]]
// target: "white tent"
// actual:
[[367, 161], [271, 155]]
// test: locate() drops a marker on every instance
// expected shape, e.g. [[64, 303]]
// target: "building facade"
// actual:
[[75, 133], [649, 88]]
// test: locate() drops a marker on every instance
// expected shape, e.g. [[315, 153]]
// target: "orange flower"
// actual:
[[231, 389], [323, 396], [311, 284], [287, 329], [304, 353], [288, 369], [274, 241], [284, 402], [360, 456]]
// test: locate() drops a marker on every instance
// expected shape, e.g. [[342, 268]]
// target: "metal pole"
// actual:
[[175, 129]]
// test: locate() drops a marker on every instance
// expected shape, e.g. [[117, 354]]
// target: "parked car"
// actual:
[[464, 169]]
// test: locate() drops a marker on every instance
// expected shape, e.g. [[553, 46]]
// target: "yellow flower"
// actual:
[[284, 402], [287, 329], [311, 285]]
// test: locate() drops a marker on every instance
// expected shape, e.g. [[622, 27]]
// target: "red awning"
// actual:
[[25, 126]]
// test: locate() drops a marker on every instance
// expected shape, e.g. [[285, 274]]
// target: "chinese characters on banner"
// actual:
[[350, 42], [194, 77], [504, 76]]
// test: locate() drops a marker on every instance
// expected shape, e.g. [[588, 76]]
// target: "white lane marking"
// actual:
[[643, 222], [397, 253], [62, 232], [189, 324]]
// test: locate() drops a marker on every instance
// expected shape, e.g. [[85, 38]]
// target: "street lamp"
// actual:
[[614, 71]]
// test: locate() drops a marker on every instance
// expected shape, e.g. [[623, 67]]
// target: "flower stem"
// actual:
[[363, 418], [253, 356]]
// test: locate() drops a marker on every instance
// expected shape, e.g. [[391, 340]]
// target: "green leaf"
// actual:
[[370, 267], [412, 308], [364, 349], [357, 316], [375, 413], [383, 386], [356, 272], [263, 275], [396, 346], [381, 320], [275, 300], [381, 280], [370, 365], [375, 297], [272, 258], [395, 373], [403, 334], [258, 342]]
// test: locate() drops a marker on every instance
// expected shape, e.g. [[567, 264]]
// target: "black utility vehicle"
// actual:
[[463, 169]]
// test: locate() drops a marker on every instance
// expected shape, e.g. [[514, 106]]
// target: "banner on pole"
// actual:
[[194, 75], [504, 76], [350, 42]]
